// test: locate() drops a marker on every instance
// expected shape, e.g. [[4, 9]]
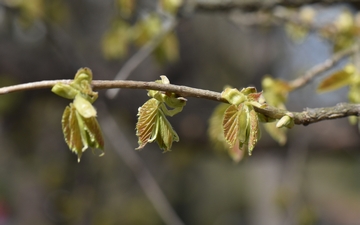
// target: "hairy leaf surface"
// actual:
[[235, 124], [80, 133], [254, 130], [71, 130], [148, 115]]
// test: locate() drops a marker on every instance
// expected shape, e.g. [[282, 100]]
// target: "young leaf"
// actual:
[[93, 133], [337, 80], [233, 96], [84, 107], [71, 131], [65, 90], [80, 133], [254, 134], [166, 135], [235, 124], [147, 122]]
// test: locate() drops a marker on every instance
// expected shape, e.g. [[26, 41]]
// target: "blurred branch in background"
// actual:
[[253, 5], [323, 67], [168, 25], [124, 149]]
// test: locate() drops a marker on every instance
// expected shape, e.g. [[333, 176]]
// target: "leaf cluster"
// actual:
[[152, 123], [79, 124], [124, 32], [236, 126]]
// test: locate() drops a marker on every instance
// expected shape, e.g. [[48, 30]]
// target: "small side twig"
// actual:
[[322, 67]]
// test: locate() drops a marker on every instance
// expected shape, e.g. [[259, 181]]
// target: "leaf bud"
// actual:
[[286, 121], [65, 90], [233, 96]]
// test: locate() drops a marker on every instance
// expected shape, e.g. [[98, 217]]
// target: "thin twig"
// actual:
[[322, 67], [305, 117], [183, 91]]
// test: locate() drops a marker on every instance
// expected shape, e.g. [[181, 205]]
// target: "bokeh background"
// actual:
[[313, 179]]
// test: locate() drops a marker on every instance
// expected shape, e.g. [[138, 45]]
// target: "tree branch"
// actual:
[[323, 67], [306, 117]]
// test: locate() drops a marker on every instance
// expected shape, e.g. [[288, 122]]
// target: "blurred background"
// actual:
[[312, 179]]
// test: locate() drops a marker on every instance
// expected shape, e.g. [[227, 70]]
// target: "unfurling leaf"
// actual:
[[254, 131], [170, 99], [152, 126], [241, 127], [166, 134], [152, 122], [147, 122], [80, 127], [216, 134], [232, 124], [80, 133], [84, 107], [80, 85], [65, 90], [233, 96], [338, 79], [240, 121]]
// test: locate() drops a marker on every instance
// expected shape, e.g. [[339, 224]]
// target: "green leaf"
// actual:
[[254, 134], [146, 127], [84, 107], [153, 125], [80, 133], [171, 100], [71, 131], [248, 90], [337, 80], [93, 133], [65, 90], [216, 134], [166, 134], [235, 124], [233, 96]]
